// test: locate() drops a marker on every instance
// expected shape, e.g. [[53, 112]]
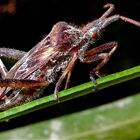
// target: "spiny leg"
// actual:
[[64, 74], [11, 53]]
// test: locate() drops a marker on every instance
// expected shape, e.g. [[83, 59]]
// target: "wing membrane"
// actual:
[[34, 59]]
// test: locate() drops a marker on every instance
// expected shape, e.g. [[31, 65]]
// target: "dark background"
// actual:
[[28, 21]]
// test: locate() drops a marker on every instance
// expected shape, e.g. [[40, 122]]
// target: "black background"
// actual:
[[33, 19]]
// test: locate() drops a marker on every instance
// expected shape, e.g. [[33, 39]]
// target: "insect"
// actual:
[[54, 58]]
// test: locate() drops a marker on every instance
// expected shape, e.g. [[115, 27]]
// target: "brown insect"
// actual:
[[54, 58]]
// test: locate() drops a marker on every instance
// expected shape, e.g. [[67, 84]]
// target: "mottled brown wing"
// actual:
[[33, 60]]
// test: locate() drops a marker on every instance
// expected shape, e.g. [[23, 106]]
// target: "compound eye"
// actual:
[[94, 35]]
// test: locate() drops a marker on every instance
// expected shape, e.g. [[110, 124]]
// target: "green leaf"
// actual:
[[71, 93], [117, 120]]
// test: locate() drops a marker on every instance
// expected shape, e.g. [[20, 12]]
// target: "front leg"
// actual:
[[102, 54]]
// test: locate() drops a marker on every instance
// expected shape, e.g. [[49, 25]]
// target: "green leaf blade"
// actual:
[[71, 93], [116, 120]]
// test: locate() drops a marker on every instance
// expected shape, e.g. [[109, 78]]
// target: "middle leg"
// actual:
[[66, 74]]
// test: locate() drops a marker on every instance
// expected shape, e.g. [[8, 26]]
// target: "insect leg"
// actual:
[[100, 49], [67, 72], [102, 54], [68, 80], [11, 53]]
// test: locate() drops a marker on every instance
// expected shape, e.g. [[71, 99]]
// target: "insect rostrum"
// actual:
[[54, 58]]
